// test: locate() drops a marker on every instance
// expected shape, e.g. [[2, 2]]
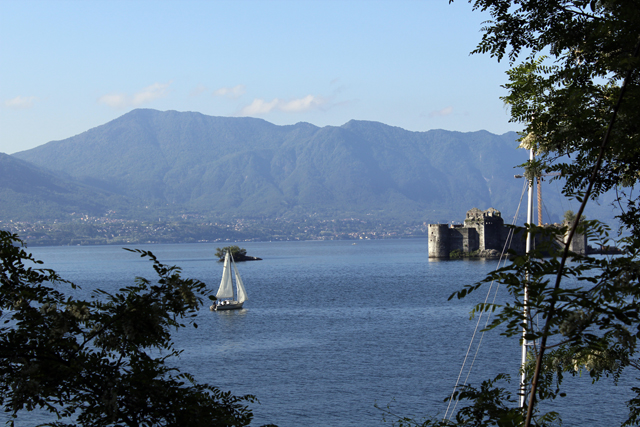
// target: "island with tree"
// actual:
[[238, 254]]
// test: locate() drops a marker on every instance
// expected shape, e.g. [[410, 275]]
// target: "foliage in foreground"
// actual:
[[102, 362], [577, 92]]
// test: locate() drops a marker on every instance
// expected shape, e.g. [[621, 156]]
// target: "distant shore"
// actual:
[[101, 231]]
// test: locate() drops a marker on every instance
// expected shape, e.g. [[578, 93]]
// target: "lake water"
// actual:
[[331, 329]]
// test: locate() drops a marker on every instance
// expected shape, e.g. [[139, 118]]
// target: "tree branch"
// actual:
[[565, 255]]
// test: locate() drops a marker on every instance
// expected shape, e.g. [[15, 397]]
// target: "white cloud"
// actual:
[[231, 92], [440, 113], [198, 90], [260, 106], [309, 102], [114, 100], [155, 91], [20, 102], [146, 95]]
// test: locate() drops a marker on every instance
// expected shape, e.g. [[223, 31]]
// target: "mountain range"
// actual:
[[224, 167]]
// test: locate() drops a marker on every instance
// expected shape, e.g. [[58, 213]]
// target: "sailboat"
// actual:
[[225, 294]]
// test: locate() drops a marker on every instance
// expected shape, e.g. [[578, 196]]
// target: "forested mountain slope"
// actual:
[[28, 193], [247, 167]]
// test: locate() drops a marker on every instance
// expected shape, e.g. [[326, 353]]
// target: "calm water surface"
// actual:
[[331, 329]]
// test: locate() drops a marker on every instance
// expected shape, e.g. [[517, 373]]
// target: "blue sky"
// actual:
[[68, 66]]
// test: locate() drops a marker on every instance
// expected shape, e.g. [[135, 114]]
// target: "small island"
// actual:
[[238, 254]]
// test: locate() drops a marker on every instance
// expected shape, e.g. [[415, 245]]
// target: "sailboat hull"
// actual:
[[230, 305]]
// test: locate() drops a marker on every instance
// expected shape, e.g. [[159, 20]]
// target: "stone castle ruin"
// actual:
[[483, 234]]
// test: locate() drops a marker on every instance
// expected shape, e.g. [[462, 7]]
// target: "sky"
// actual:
[[69, 66]]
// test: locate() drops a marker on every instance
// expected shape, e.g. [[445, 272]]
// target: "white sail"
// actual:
[[242, 293], [226, 287]]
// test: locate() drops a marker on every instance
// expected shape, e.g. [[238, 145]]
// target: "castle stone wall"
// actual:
[[578, 243], [464, 239], [493, 235], [518, 239], [484, 231]]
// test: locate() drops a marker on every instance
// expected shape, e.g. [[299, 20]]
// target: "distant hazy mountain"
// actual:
[[28, 192], [250, 168]]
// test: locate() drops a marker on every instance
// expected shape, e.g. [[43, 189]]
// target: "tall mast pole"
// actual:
[[539, 188], [525, 343]]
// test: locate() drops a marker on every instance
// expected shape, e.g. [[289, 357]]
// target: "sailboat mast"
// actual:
[[539, 188], [525, 343], [233, 263]]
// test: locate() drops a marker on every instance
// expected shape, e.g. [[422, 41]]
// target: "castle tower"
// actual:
[[438, 241]]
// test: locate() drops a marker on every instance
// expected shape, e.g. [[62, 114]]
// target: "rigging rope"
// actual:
[[450, 411]]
